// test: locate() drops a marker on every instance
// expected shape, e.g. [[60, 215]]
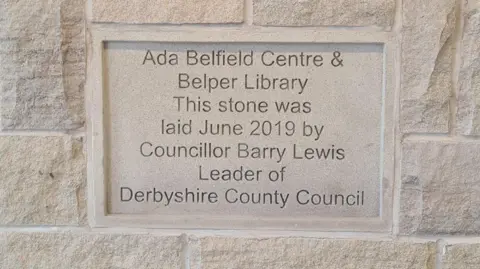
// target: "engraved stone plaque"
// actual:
[[244, 134]]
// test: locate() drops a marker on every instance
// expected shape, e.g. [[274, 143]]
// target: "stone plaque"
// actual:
[[244, 134]]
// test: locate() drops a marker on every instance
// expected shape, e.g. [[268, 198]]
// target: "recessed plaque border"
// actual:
[[95, 91]]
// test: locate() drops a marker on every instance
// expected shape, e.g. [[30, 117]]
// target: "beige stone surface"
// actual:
[[314, 186], [90, 251], [324, 12], [468, 115], [440, 188], [42, 61], [283, 253], [43, 181], [462, 256], [427, 59], [168, 11], [3, 250]]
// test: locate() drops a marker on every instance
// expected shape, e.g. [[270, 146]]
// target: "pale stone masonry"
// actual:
[[43, 190], [427, 65], [43, 181], [89, 250], [322, 13], [469, 81], [440, 192], [219, 252], [168, 11], [42, 65], [461, 256]]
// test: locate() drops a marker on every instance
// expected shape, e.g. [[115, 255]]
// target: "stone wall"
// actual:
[[43, 204]]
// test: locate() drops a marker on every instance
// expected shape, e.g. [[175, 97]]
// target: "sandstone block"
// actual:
[[464, 256], [440, 188], [90, 251], [427, 60], [168, 11], [42, 62], [468, 113], [324, 13], [3, 250], [283, 253], [43, 181]]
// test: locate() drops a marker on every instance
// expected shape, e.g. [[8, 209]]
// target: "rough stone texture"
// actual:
[[427, 60], [324, 12], [462, 257], [43, 181], [3, 250], [440, 188], [91, 251], [280, 253], [168, 11], [42, 62], [468, 117]]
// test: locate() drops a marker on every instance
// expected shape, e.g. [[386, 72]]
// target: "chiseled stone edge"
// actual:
[[427, 65]]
